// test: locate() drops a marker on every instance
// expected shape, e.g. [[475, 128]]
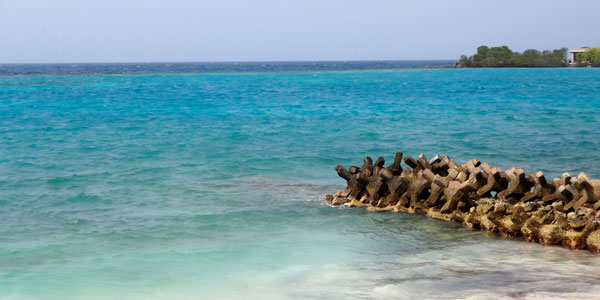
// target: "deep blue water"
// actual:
[[206, 182], [214, 67]]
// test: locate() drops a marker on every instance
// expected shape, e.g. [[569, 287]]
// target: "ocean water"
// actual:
[[200, 183]]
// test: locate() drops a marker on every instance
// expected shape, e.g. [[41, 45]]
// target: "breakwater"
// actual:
[[559, 211]]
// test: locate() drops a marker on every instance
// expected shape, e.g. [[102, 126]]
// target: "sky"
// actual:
[[53, 31]]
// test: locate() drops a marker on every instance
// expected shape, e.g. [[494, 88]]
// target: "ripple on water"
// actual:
[[136, 187]]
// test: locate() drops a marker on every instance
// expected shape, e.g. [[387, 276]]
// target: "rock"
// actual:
[[422, 160], [577, 239], [551, 197], [519, 184], [428, 175], [557, 206], [373, 199], [582, 182], [398, 185], [486, 168], [436, 159], [452, 173], [529, 206], [411, 162], [441, 182], [587, 212], [339, 201], [364, 198], [450, 162], [389, 199], [416, 189], [434, 196], [418, 208], [484, 208], [379, 162], [593, 241], [395, 167], [495, 183], [543, 217], [376, 170], [563, 211], [356, 203], [477, 179], [472, 220], [462, 177], [437, 214], [576, 203], [566, 179], [357, 185], [472, 165], [386, 175], [596, 188], [486, 223], [382, 208], [342, 172], [566, 192], [499, 208], [440, 167], [457, 216], [560, 219], [541, 187], [508, 227], [404, 200], [346, 192], [400, 209], [531, 230], [452, 193], [577, 222], [367, 167], [551, 234]]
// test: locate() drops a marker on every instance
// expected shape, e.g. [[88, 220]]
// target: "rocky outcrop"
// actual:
[[562, 211]]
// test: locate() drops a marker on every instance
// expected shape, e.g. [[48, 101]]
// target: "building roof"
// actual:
[[578, 50]]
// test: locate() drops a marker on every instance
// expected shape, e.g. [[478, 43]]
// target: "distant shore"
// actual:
[[503, 57]]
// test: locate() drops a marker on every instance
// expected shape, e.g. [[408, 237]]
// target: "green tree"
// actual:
[[529, 58], [499, 57], [590, 57], [479, 58], [496, 57]]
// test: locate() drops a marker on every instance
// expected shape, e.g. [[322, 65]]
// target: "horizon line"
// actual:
[[220, 61]]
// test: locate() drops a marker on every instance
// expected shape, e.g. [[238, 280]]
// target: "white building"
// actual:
[[573, 54]]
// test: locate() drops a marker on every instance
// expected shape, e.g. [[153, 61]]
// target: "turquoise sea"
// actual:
[[204, 181]]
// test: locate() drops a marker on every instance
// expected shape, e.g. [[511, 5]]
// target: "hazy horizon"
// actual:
[[68, 31], [223, 61]]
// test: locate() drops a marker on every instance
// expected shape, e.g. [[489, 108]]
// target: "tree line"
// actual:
[[502, 57], [590, 57]]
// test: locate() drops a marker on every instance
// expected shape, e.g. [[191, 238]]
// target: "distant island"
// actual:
[[503, 57]]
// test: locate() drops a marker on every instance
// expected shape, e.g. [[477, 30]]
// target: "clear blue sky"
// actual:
[[244, 30]]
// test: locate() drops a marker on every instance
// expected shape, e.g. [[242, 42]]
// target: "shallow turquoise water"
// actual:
[[203, 186]]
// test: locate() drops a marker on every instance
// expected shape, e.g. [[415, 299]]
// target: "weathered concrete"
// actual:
[[563, 211]]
